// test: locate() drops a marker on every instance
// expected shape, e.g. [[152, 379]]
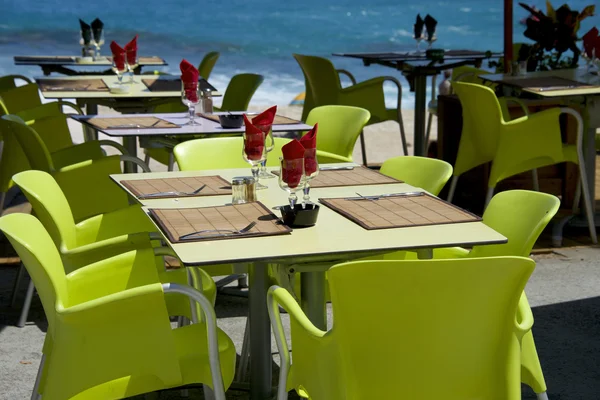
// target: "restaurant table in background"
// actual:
[[416, 68], [333, 239], [572, 86], [58, 64], [171, 125]]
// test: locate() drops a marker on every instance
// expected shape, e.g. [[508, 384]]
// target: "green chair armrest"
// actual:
[[64, 103], [114, 144], [348, 74], [325, 157], [524, 317], [370, 96]]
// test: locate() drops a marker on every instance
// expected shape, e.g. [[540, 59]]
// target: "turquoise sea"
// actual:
[[257, 36]]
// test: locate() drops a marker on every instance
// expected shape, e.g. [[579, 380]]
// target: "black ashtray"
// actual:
[[435, 54], [300, 216], [230, 121]]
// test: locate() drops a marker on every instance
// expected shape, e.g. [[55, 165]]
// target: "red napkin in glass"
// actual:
[[131, 50], [309, 141], [264, 120], [254, 141], [118, 55], [189, 77], [591, 40], [292, 164]]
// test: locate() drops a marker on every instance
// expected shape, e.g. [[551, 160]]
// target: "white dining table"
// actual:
[[313, 250]]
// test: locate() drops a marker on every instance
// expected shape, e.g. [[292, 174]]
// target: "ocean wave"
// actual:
[[465, 9]]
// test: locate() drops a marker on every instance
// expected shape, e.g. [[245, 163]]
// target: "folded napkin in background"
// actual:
[[591, 41], [430, 24], [264, 120], [86, 32], [309, 142], [293, 163], [254, 141], [97, 27], [118, 55], [419, 26], [131, 51], [189, 77]]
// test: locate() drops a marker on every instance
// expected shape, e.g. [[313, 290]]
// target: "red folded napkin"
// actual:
[[189, 77], [264, 120], [293, 163], [118, 55], [309, 141], [591, 41], [131, 50], [254, 141]]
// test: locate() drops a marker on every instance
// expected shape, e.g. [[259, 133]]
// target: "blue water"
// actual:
[[257, 36]]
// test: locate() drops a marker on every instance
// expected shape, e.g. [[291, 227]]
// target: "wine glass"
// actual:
[[98, 42], [311, 170], [254, 153], [190, 97], [132, 63], [269, 146], [430, 39], [291, 178], [119, 65], [419, 39]]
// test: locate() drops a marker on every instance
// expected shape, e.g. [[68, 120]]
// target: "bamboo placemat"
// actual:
[[176, 222], [172, 85], [145, 60], [358, 176], [547, 83], [215, 186], [399, 211], [72, 85], [278, 120], [131, 123]]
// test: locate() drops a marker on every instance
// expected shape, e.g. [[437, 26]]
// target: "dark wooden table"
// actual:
[[59, 64]]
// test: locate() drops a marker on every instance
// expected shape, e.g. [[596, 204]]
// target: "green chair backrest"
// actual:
[[426, 173], [239, 92], [219, 153], [321, 80], [482, 118], [469, 74], [519, 215], [13, 158], [31, 143], [208, 63], [13, 101], [339, 127], [448, 330], [50, 206], [10, 81]]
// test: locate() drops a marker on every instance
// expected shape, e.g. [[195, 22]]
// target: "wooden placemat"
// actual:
[[547, 83], [72, 85], [278, 120], [176, 222], [358, 176], [400, 211], [131, 123], [145, 60], [172, 85], [215, 186]]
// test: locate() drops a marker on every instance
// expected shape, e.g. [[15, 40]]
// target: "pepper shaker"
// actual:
[[238, 190], [250, 184], [207, 101]]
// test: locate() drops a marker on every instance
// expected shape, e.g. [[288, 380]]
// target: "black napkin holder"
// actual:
[[300, 216], [230, 121]]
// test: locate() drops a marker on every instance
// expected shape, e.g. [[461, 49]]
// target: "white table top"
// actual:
[[137, 90], [102, 61], [334, 237], [206, 126], [579, 75]]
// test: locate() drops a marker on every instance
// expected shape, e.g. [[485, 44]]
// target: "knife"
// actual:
[[380, 196], [349, 168]]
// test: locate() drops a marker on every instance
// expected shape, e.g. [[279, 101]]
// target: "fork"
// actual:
[[380, 196], [219, 232], [150, 195]]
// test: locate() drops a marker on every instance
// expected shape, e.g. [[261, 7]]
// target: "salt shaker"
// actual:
[[238, 190], [207, 101], [250, 184]]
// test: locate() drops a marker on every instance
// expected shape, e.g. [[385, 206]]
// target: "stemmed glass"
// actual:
[[98, 42], [430, 39], [119, 68], [590, 61], [269, 146], [254, 153], [190, 97], [291, 178], [419, 39], [132, 63], [311, 170]]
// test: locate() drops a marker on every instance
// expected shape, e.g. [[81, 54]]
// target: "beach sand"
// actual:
[[382, 140]]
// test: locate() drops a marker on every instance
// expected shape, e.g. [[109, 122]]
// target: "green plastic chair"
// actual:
[[10, 81], [109, 334], [208, 63], [237, 97], [99, 237], [86, 184], [426, 173], [451, 332], [339, 127], [515, 146], [323, 88], [521, 216]]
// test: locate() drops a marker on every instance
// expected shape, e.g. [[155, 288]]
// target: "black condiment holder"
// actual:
[[301, 215]]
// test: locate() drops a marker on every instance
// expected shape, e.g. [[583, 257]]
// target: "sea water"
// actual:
[[258, 36]]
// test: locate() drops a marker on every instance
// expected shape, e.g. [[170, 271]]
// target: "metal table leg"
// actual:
[[130, 144], [420, 115], [260, 333], [313, 297], [89, 133]]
